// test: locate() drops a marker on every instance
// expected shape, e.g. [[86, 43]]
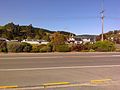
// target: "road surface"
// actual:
[[32, 69]]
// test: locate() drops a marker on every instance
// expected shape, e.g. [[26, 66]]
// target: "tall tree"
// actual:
[[58, 39]]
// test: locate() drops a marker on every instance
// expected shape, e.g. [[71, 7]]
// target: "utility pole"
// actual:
[[102, 18]]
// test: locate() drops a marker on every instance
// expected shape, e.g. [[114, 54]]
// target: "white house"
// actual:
[[75, 40], [35, 41], [86, 40], [80, 40], [30, 42]]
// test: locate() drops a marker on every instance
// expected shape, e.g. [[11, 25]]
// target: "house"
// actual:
[[81, 39], [30, 41], [74, 40], [78, 40], [35, 41], [86, 40]]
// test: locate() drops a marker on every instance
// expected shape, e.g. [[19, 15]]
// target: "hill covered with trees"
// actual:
[[113, 36], [17, 32]]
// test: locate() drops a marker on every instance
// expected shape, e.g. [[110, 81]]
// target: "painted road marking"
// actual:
[[71, 85], [42, 86], [61, 84], [37, 57], [29, 57], [3, 87], [54, 68], [56, 83], [116, 55], [101, 81]]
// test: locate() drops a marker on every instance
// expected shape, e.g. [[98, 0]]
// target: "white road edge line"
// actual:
[[53, 68], [57, 57], [28, 57]]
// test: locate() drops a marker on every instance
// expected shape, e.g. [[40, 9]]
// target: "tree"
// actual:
[[46, 37], [12, 31], [116, 31], [58, 39], [10, 26]]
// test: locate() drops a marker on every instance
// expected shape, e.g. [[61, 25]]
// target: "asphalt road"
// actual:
[[36, 69]]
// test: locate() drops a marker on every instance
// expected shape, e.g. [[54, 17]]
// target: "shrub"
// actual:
[[62, 48], [36, 48], [91, 50], [14, 47], [3, 46], [44, 49], [104, 46], [50, 47], [77, 48], [89, 46], [26, 47], [47, 48]]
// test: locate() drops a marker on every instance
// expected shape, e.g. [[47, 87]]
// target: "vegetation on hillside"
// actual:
[[17, 32], [113, 36], [57, 40]]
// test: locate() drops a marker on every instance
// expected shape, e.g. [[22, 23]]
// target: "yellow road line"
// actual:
[[3, 87], [57, 83], [101, 81], [70, 85], [66, 84]]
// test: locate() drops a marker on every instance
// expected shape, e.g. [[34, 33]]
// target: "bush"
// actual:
[[36, 48], [91, 50], [89, 46], [44, 49], [47, 48], [3, 46], [14, 47], [26, 47], [104, 46], [50, 47], [77, 48], [62, 48]]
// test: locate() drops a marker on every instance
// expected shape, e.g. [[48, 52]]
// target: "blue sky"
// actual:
[[77, 16]]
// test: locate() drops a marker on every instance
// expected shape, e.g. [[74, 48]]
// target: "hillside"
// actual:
[[91, 37], [113, 36], [87, 36], [17, 32]]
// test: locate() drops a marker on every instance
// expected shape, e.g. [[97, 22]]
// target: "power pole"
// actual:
[[102, 18]]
